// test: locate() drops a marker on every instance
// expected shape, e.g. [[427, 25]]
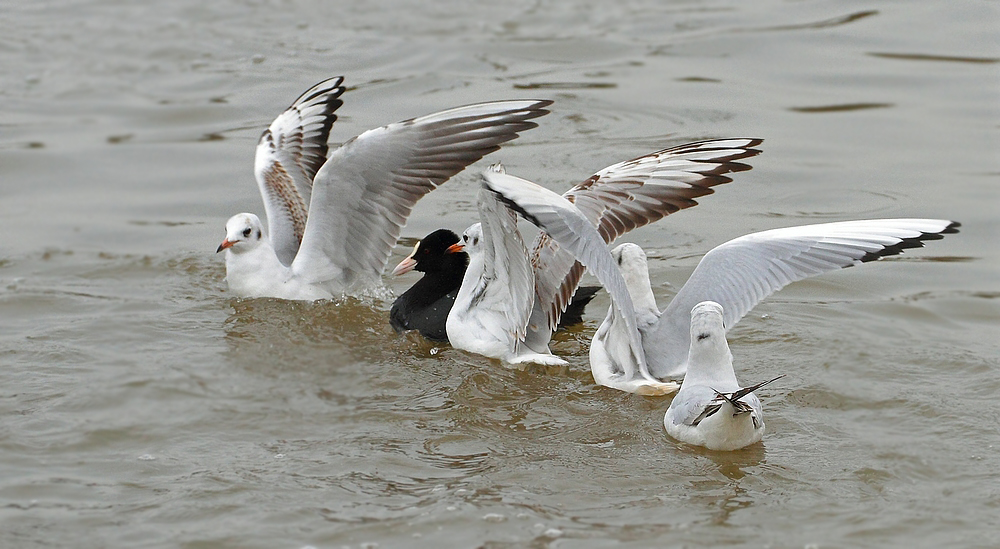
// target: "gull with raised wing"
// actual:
[[424, 307], [740, 273], [491, 310], [576, 234], [332, 221], [616, 199], [711, 409]]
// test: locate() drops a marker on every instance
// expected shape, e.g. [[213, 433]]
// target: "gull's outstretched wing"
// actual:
[[622, 197], [366, 189], [289, 153], [742, 272]]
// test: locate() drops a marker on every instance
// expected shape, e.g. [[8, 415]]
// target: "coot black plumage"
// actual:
[[425, 306]]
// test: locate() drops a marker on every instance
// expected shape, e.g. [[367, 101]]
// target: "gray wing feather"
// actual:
[[625, 196], [689, 407], [573, 231], [511, 282], [289, 153], [365, 191]]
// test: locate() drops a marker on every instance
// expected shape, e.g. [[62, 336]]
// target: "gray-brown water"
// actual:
[[142, 406]]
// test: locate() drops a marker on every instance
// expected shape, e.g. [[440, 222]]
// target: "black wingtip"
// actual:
[[513, 206], [747, 390], [908, 243], [332, 86]]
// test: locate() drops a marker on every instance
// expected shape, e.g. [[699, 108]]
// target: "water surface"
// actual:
[[144, 406]]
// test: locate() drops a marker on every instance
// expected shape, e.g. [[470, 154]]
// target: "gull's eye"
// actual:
[[465, 238], [246, 232]]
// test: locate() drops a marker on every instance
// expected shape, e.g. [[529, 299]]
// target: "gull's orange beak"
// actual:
[[225, 244], [454, 248]]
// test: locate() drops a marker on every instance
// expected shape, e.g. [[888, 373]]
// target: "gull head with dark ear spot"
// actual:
[[632, 263], [244, 232], [630, 258], [708, 335], [472, 239]]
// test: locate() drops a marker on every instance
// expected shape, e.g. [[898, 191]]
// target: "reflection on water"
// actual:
[[825, 23], [841, 108], [929, 57], [564, 85]]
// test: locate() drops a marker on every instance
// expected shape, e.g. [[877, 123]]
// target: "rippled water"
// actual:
[[143, 406]]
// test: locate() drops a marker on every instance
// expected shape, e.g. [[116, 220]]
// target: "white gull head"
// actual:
[[472, 240], [244, 232]]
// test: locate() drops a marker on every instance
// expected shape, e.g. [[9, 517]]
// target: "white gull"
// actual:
[[739, 274], [490, 314], [577, 235], [332, 221], [711, 409], [616, 199]]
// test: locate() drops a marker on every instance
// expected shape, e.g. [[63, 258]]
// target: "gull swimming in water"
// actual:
[[508, 298], [332, 221], [490, 313], [711, 409], [738, 275], [616, 199]]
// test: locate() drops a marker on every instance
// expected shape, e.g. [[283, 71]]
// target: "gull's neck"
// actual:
[[641, 291], [477, 264], [710, 362], [712, 369]]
